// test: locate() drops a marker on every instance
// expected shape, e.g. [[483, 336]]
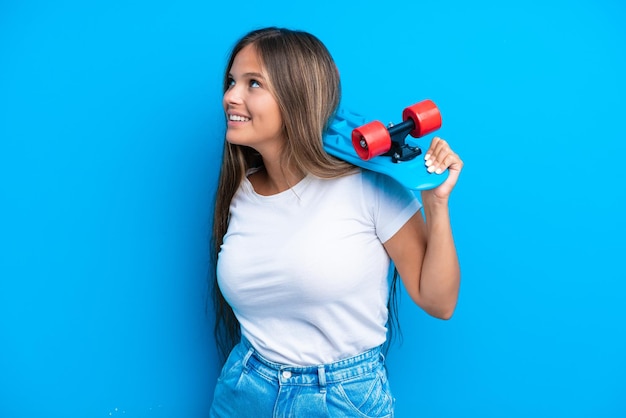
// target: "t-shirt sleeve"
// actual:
[[391, 204]]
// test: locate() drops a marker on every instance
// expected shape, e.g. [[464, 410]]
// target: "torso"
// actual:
[[305, 269]]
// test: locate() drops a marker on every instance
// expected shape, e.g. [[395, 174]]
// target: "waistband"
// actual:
[[361, 364]]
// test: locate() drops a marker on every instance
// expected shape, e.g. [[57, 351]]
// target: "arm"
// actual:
[[423, 250]]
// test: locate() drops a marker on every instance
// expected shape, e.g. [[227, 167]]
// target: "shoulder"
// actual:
[[383, 186], [369, 183]]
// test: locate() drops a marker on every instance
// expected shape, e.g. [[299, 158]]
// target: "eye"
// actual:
[[254, 83], [230, 82]]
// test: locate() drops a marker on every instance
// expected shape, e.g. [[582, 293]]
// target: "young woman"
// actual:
[[303, 243]]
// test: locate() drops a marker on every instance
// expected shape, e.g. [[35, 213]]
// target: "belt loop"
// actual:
[[246, 358], [321, 376]]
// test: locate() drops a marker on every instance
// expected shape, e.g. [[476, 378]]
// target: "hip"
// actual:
[[250, 385]]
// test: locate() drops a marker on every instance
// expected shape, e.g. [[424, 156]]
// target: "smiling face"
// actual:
[[252, 112]]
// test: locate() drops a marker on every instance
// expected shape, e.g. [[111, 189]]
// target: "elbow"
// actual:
[[437, 309], [441, 305], [443, 312], [447, 315]]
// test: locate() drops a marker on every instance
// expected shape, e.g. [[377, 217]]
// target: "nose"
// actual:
[[232, 95]]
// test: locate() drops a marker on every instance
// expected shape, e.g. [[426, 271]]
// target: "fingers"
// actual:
[[440, 157]]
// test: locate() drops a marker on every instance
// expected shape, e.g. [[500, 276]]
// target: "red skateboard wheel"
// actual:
[[371, 140], [425, 116]]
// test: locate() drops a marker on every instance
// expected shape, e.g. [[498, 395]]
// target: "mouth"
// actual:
[[237, 118]]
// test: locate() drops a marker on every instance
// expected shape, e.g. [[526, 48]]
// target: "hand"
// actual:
[[438, 158]]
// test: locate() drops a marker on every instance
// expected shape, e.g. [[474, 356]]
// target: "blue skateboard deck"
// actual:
[[411, 173]]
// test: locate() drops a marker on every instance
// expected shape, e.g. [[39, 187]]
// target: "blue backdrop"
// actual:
[[110, 137]]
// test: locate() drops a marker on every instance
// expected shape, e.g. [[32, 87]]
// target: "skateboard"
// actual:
[[385, 149]]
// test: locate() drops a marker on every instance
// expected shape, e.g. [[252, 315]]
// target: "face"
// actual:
[[252, 112]]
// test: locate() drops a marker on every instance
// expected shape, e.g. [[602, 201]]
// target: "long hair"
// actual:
[[305, 83]]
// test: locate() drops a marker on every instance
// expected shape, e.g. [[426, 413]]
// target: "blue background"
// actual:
[[110, 138]]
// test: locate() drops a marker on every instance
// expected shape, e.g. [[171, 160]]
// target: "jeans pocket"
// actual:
[[233, 364], [367, 395]]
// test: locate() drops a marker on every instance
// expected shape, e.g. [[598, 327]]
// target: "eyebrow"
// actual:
[[249, 75]]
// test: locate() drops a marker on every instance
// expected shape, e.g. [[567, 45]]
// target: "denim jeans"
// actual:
[[251, 386]]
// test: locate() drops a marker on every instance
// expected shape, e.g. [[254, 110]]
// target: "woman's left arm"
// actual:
[[423, 250]]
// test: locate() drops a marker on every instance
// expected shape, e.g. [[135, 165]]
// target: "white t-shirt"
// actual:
[[305, 270]]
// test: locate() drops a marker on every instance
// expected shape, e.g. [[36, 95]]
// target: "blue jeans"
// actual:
[[251, 386]]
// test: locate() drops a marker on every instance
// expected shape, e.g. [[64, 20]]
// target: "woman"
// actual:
[[303, 243]]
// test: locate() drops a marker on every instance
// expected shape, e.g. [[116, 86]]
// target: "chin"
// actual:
[[237, 141], [232, 139]]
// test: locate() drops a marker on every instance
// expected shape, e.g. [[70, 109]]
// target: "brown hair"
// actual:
[[305, 82]]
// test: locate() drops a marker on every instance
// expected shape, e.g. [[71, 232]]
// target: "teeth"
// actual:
[[238, 118]]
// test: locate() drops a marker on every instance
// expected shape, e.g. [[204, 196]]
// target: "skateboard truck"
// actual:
[[374, 139], [400, 150]]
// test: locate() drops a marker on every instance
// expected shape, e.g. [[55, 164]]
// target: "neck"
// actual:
[[275, 178]]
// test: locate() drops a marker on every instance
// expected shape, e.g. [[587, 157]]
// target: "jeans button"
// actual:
[[286, 374]]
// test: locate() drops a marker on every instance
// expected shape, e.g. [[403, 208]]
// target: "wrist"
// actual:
[[430, 200], [436, 210]]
